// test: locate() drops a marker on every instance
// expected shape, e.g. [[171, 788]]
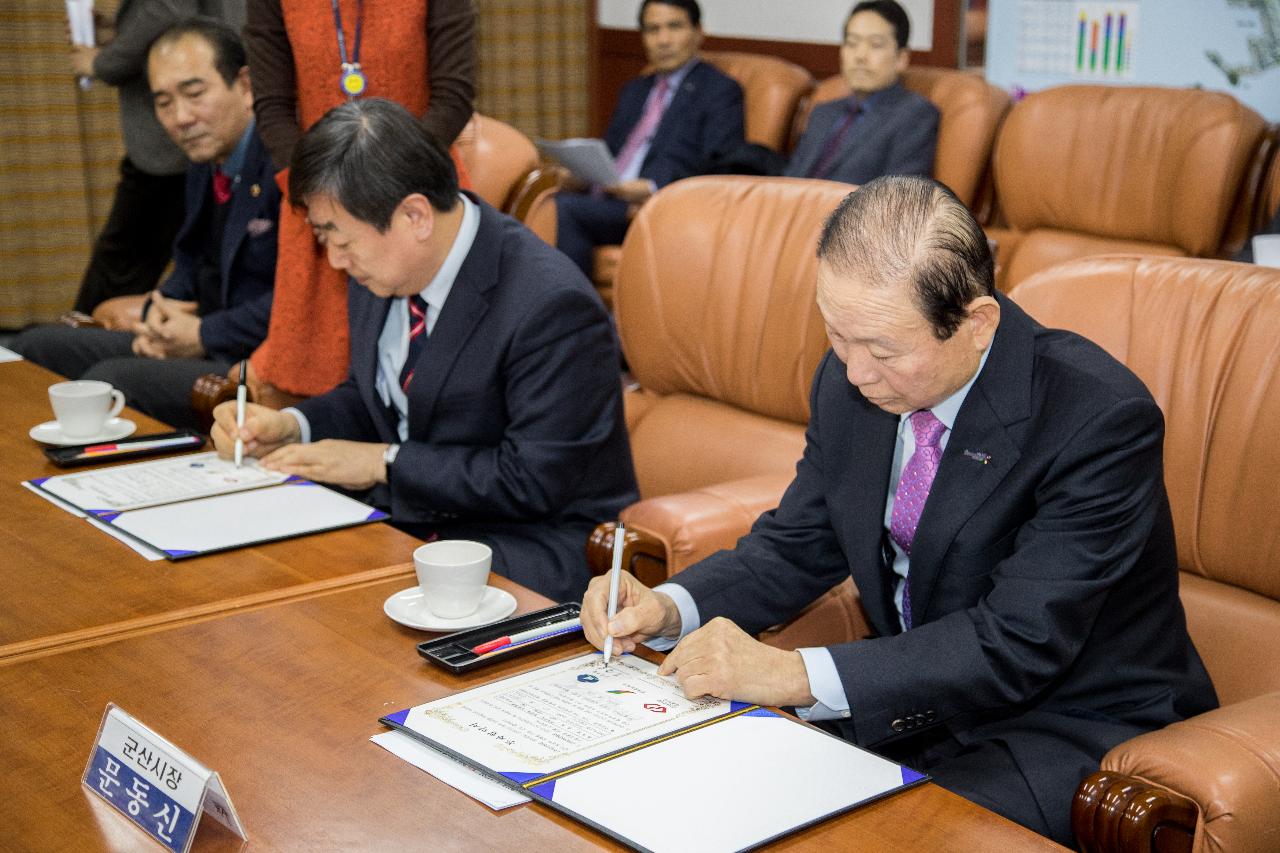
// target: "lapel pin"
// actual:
[[255, 190], [977, 456]]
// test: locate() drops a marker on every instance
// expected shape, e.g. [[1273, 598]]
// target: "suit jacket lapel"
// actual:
[[687, 92], [980, 452], [462, 311], [368, 315], [243, 206], [860, 504]]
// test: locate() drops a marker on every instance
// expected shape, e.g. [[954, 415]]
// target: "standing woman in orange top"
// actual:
[[306, 57]]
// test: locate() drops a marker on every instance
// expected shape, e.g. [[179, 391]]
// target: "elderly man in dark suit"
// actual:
[[670, 124], [213, 309], [996, 491], [483, 401], [881, 128]]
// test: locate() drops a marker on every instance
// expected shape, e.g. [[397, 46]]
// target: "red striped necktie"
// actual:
[[417, 336]]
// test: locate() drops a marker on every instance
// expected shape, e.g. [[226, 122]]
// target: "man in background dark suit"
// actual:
[[668, 125], [882, 128], [483, 401], [996, 491], [213, 309]]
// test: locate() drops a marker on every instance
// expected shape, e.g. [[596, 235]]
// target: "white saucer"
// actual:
[[408, 608], [50, 433]]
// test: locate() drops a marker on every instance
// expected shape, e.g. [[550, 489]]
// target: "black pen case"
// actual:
[[454, 651]]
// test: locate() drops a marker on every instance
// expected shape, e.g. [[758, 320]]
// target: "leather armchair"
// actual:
[[971, 111], [1202, 335], [716, 313], [772, 90], [1087, 170], [502, 163]]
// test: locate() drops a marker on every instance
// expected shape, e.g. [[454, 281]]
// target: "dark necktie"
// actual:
[[835, 140], [417, 336], [221, 187], [913, 490]]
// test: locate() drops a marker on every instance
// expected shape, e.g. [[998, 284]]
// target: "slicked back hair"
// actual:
[[228, 50], [369, 155], [891, 11], [902, 228], [691, 8]]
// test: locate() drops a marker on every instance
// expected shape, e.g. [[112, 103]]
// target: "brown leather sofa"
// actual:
[[772, 90], [500, 159], [716, 313], [1086, 170], [971, 111], [1203, 336]]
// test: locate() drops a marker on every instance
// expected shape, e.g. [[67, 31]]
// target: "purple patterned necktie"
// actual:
[[913, 490], [646, 127]]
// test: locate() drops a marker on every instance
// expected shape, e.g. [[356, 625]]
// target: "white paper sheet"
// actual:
[[726, 786], [588, 159], [162, 481], [241, 518], [450, 771], [560, 715]]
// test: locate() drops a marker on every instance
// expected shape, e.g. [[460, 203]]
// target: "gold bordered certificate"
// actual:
[[621, 749]]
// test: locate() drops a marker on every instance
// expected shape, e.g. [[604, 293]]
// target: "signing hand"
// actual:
[[265, 430], [720, 659], [352, 465], [642, 614]]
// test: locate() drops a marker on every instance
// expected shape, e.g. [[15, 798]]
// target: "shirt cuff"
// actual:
[[689, 619], [304, 425], [825, 685]]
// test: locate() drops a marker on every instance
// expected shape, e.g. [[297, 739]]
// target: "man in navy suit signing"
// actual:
[[995, 489], [669, 124], [483, 400], [214, 307], [881, 128]]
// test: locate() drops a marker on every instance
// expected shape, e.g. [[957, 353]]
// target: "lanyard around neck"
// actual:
[[352, 82]]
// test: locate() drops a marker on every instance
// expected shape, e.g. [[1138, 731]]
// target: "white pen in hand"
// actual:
[[242, 392], [619, 532]]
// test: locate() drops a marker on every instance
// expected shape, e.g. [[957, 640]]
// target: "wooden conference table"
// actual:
[[272, 665], [64, 583], [281, 702]]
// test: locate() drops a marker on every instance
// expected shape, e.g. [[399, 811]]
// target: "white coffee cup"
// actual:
[[83, 406], [1266, 250], [453, 574]]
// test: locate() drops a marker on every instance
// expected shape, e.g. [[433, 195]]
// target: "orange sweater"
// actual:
[[306, 351]]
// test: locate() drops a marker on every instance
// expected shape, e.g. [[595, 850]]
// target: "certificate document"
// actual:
[[561, 715], [623, 750], [166, 481], [196, 504]]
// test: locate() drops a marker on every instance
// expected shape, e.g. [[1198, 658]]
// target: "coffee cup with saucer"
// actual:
[[451, 593]]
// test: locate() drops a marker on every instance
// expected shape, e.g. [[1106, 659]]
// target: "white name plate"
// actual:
[[157, 786]]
